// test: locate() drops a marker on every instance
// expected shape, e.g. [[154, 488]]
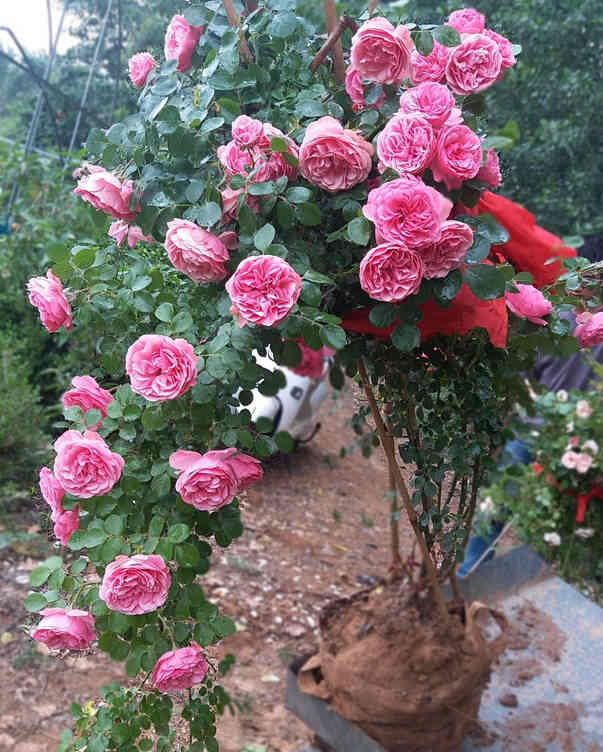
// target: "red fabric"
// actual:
[[583, 499], [466, 312], [529, 245]]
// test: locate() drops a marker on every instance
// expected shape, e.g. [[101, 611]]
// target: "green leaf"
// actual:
[[178, 533], [333, 336], [423, 42], [284, 442], [194, 191], [35, 602], [114, 409], [114, 524], [187, 555], [78, 566], [262, 189], [290, 355], [86, 538], [264, 237], [497, 142], [318, 278], [92, 417], [485, 281], [298, 194], [308, 214], [372, 93], [182, 321], [279, 145], [406, 337], [39, 576], [447, 36], [223, 626], [84, 258], [358, 231], [208, 214], [164, 312], [383, 315], [283, 24]]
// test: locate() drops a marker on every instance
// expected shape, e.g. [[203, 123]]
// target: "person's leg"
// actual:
[[487, 531]]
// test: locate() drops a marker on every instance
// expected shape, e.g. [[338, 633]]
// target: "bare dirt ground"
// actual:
[[317, 528]]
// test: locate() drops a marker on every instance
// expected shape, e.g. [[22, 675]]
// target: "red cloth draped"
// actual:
[[583, 499], [529, 245]]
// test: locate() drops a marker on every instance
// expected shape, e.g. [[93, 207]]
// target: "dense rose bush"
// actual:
[[121, 230], [474, 65], [458, 156], [406, 144]]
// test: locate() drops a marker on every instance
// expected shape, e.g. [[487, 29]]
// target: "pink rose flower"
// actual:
[[504, 47], [135, 584], [88, 395], [467, 21], [406, 144], [65, 629], [52, 491], [589, 329], [355, 91], [474, 65], [432, 101], [333, 158], [229, 239], [181, 41], [210, 481], [84, 465], [449, 251], [263, 290], [139, 67], [408, 212], [583, 409], [312, 364], [455, 117], [247, 131], [529, 303], [108, 194], [430, 67], [47, 295], [391, 272], [195, 252], [380, 52], [230, 199], [569, 460], [179, 669], [583, 463], [161, 368], [489, 172], [119, 230], [458, 156], [65, 523]]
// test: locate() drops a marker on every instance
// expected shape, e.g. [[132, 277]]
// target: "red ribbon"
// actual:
[[584, 498]]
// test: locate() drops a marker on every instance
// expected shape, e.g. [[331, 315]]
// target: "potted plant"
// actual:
[[275, 200]]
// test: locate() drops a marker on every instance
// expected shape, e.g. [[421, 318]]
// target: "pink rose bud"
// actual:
[[181, 41], [230, 239], [528, 303], [263, 290], [432, 101], [88, 395], [84, 465], [47, 295], [179, 669], [52, 491], [259, 160], [135, 584], [333, 158], [108, 194], [65, 523], [119, 230], [406, 144], [474, 65], [195, 252], [247, 131], [210, 481], [65, 629], [161, 368], [449, 251], [407, 212], [355, 91], [391, 272], [467, 21], [458, 156], [312, 364], [504, 47], [489, 172], [430, 67], [583, 409], [380, 52], [139, 67], [589, 329]]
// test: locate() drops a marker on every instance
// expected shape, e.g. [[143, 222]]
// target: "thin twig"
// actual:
[[337, 50], [343, 24], [234, 21], [403, 490]]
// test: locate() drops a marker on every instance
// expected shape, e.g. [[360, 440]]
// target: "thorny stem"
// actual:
[[403, 490]]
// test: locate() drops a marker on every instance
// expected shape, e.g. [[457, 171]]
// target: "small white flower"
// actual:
[[487, 505], [570, 426], [590, 446], [553, 539], [585, 532], [561, 395], [583, 409], [534, 433]]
